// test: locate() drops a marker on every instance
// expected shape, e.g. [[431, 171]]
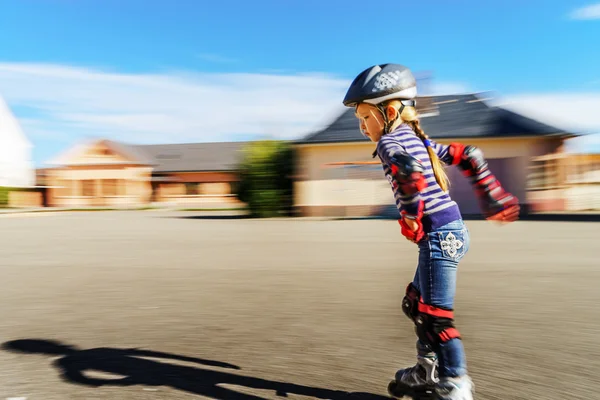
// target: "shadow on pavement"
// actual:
[[134, 369]]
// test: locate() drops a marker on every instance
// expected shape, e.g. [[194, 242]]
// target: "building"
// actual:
[[16, 166], [334, 177], [106, 173], [195, 173], [561, 182]]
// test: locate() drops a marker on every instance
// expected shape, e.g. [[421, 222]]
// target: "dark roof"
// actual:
[[218, 156], [184, 157], [457, 116]]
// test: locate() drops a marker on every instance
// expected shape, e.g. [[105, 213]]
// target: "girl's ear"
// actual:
[[391, 112]]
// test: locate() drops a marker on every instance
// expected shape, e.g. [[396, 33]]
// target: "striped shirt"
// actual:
[[439, 209]]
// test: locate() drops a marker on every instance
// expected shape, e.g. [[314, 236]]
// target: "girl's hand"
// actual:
[[412, 224], [411, 229]]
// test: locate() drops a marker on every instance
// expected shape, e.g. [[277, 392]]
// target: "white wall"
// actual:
[[16, 165]]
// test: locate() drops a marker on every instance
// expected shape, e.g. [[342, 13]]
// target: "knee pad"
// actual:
[[410, 302], [435, 325]]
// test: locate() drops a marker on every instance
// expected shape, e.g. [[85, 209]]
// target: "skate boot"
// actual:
[[418, 381], [455, 388]]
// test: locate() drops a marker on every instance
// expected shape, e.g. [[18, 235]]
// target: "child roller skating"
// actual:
[[383, 97]]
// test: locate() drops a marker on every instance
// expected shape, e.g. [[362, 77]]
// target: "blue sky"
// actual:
[[192, 70]]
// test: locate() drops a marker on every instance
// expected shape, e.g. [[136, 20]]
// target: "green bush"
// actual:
[[266, 182], [4, 191], [3, 196]]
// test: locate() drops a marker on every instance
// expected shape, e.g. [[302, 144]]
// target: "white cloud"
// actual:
[[169, 107], [573, 112], [588, 12], [585, 144]]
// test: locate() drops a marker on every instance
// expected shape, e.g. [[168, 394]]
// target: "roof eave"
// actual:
[[563, 135]]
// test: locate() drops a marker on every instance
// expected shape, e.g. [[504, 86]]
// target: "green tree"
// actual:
[[266, 182]]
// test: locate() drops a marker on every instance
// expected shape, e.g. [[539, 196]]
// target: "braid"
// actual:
[[436, 164]]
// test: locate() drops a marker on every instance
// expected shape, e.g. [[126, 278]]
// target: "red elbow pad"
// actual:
[[414, 183], [420, 182], [456, 150]]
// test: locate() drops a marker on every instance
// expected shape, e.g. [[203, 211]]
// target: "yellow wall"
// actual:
[[25, 199], [112, 180], [328, 186]]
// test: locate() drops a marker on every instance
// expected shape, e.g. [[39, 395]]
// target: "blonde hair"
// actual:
[[410, 116]]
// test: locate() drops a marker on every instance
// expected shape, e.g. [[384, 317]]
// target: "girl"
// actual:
[[384, 100]]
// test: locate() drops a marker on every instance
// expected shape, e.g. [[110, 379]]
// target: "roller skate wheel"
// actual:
[[393, 390], [427, 394]]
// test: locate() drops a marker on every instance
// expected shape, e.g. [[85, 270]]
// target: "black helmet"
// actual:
[[381, 83]]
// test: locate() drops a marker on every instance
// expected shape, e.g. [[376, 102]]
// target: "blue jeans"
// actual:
[[439, 255]]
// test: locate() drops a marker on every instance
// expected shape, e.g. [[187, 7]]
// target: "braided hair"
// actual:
[[409, 115]]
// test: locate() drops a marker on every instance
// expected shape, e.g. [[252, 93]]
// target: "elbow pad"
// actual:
[[468, 158], [408, 172], [494, 199], [405, 165]]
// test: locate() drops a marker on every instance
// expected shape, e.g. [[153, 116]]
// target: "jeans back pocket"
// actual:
[[452, 244]]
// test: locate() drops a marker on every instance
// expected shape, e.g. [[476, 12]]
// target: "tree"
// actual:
[[266, 182]]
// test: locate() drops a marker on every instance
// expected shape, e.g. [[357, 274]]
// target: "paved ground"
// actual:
[[183, 308]]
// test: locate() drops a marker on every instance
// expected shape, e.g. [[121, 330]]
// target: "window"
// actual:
[[191, 189], [109, 187], [87, 188]]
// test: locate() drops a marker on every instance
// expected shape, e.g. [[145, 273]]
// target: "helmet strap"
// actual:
[[388, 123]]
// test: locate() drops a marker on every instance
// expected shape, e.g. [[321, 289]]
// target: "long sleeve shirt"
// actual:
[[438, 207]]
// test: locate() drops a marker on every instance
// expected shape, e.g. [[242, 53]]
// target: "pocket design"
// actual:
[[450, 245]]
